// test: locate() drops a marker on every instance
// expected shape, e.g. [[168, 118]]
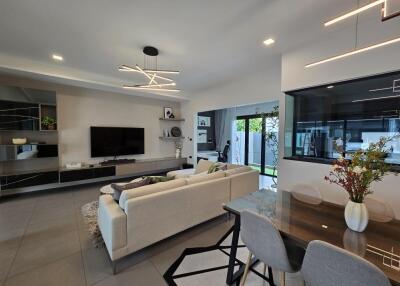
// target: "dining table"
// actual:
[[302, 222]]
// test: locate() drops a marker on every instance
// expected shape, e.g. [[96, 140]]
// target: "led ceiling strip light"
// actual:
[[358, 51], [125, 68], [355, 12], [151, 74]]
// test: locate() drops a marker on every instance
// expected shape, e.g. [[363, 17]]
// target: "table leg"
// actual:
[[232, 256]]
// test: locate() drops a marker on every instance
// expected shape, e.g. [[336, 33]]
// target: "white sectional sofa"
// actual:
[[151, 213]]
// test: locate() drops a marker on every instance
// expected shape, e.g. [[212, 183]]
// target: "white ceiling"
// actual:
[[209, 41]]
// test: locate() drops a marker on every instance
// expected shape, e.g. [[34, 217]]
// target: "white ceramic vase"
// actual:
[[356, 216]]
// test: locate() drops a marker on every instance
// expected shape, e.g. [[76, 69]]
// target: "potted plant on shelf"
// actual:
[[356, 175], [49, 123]]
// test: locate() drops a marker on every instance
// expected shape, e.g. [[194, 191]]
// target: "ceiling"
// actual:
[[208, 41]]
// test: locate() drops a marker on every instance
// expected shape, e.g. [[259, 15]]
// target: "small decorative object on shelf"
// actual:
[[19, 141], [49, 123], [356, 176], [167, 112], [74, 165], [176, 132], [166, 133], [172, 116], [178, 149]]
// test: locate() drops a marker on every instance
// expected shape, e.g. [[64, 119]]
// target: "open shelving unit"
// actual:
[[171, 138]]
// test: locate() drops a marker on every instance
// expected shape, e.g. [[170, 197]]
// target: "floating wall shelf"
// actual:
[[171, 138], [172, 119]]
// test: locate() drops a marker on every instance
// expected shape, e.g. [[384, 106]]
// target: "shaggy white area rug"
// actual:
[[89, 212]]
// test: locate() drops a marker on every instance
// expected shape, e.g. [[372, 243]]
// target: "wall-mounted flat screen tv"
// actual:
[[116, 141]]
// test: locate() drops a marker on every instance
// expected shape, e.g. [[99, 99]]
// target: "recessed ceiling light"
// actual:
[[330, 87], [269, 42], [57, 57]]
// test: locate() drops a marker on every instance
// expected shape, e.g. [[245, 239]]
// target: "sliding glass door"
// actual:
[[252, 143]]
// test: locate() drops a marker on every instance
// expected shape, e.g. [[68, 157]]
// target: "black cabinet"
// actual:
[[86, 174], [28, 180], [19, 115], [104, 172]]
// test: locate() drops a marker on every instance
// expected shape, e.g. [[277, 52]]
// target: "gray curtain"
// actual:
[[223, 125]]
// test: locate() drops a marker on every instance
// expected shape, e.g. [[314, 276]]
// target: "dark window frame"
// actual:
[[321, 160]]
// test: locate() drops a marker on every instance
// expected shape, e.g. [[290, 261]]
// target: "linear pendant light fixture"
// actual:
[[355, 12], [385, 4], [152, 74], [358, 51]]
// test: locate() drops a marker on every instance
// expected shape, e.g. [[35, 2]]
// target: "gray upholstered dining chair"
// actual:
[[328, 265], [307, 194], [379, 210], [264, 241]]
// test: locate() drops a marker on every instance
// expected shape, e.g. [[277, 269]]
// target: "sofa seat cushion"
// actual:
[[178, 174], [205, 177], [149, 189], [238, 170], [203, 166]]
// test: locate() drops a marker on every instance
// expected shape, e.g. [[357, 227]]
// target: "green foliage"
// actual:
[[47, 121], [364, 168], [255, 125], [240, 125], [272, 136], [271, 132]]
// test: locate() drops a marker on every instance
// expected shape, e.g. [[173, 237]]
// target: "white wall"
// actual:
[[295, 76], [77, 112], [78, 109], [261, 85]]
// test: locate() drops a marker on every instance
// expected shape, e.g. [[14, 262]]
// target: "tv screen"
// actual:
[[116, 141]]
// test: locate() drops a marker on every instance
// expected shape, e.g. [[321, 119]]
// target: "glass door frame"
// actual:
[[246, 119]]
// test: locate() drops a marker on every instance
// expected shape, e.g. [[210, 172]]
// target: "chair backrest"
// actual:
[[307, 194], [328, 265], [379, 210], [263, 240]]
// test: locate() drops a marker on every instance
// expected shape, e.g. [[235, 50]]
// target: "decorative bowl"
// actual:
[[19, 141], [176, 132]]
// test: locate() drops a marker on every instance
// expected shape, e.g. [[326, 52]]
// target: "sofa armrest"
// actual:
[[244, 183], [112, 224]]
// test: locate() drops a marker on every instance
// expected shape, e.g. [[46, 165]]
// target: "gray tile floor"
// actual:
[[43, 241]]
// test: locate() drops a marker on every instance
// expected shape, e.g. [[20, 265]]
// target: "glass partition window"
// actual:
[[328, 122]]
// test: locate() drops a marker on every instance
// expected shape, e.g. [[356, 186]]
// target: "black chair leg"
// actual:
[[271, 277]]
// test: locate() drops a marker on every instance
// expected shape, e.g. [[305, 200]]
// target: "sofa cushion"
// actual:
[[238, 170], [185, 173], [150, 189], [158, 179], [205, 177], [233, 166], [119, 188], [217, 166], [202, 166]]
